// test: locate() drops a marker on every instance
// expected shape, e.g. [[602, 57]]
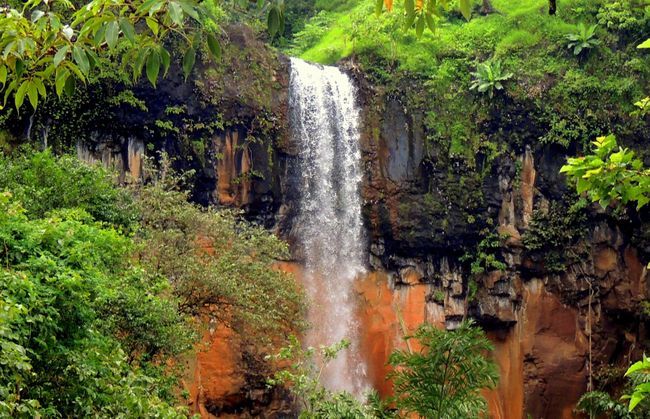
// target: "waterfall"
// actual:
[[325, 124]]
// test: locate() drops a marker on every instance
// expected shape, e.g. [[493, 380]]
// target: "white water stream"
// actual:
[[325, 122]]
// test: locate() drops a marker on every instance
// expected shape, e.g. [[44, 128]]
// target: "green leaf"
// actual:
[[430, 22], [636, 367], [112, 33], [419, 26], [166, 59], [153, 25], [153, 67], [582, 185], [189, 9], [20, 94], [188, 62], [81, 59], [3, 75], [635, 400], [176, 13], [213, 46], [128, 29], [466, 9], [644, 44], [70, 85], [139, 63], [40, 86], [32, 93], [273, 21], [60, 55], [409, 7], [59, 83]]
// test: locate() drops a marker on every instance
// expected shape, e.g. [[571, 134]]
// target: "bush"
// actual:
[[42, 182], [212, 257], [63, 353]]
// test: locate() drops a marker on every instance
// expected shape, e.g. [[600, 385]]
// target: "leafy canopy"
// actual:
[[96, 296], [58, 42]]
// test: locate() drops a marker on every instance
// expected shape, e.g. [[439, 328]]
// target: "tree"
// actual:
[[83, 333], [444, 378], [214, 258], [611, 174], [54, 43]]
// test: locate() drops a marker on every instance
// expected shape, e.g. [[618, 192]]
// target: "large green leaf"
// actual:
[[644, 44], [20, 94], [273, 21], [112, 34], [466, 9], [60, 55], [213, 46], [153, 67], [128, 29], [188, 62], [81, 59]]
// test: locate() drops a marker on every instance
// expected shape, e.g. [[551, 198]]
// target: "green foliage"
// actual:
[[583, 40], [611, 174], [624, 16], [62, 350], [53, 47], [214, 258], [485, 258], [92, 320], [552, 234], [302, 376], [489, 77], [43, 182], [444, 379], [599, 403], [639, 373]]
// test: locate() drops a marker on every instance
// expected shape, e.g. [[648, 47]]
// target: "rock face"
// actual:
[[563, 300]]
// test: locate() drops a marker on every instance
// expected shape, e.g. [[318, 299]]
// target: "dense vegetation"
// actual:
[[99, 285]]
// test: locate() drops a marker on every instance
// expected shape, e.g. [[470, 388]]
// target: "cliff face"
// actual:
[[564, 299]]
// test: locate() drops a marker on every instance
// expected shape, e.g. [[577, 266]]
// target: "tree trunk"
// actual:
[[487, 8], [552, 7]]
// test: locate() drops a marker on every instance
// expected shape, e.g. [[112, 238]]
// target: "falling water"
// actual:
[[325, 123]]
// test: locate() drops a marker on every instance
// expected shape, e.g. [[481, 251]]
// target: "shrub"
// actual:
[[445, 378], [213, 257], [583, 40], [42, 182], [489, 77], [63, 353]]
